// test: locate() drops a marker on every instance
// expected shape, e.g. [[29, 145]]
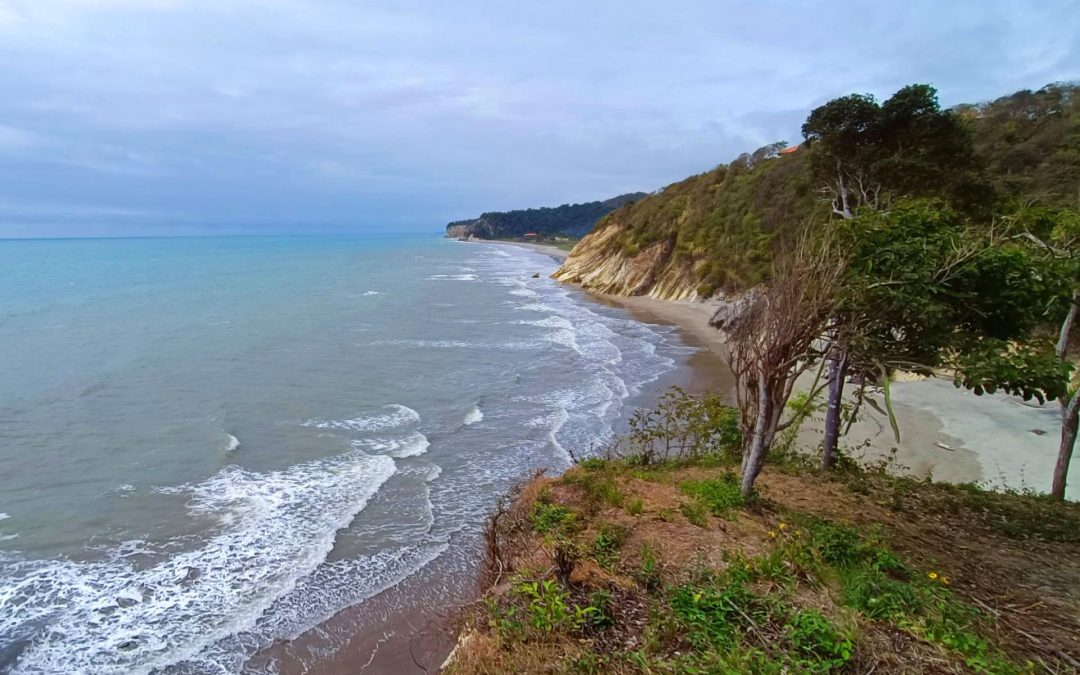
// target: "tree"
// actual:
[[925, 290], [1056, 233], [866, 155], [772, 341]]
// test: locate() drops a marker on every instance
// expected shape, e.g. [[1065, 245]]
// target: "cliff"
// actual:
[[568, 220], [624, 567], [719, 231]]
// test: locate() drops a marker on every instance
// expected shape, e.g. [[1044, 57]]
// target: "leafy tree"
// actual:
[[1056, 234], [924, 290], [866, 154]]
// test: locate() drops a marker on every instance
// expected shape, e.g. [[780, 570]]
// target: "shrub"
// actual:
[[549, 518], [719, 495], [608, 542], [817, 641], [696, 512], [684, 428]]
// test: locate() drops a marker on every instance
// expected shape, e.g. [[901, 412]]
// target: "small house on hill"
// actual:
[[530, 236]]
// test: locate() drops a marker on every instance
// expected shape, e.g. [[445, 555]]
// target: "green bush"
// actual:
[[608, 542], [696, 512], [550, 518], [720, 495], [821, 646]]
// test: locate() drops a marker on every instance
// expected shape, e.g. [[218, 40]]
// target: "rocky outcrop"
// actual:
[[599, 263]]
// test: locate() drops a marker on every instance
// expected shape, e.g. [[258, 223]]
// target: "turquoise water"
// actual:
[[213, 444]]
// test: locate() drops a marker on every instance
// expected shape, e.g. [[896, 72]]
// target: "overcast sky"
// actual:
[[228, 116]]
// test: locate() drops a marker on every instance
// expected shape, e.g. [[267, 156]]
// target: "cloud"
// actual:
[[287, 112]]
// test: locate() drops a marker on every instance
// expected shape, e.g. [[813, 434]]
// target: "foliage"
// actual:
[[549, 607], [553, 518], [867, 154], [1029, 143], [723, 229], [568, 220], [720, 495], [816, 596], [598, 486], [608, 542], [924, 289], [683, 427], [695, 512]]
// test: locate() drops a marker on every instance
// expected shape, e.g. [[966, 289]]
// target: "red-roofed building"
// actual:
[[529, 235]]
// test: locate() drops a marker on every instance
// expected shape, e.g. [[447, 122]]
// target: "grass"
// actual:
[[719, 495], [812, 583]]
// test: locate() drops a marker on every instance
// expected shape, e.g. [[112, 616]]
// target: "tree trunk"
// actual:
[[1069, 409], [837, 371], [1069, 424], [754, 456]]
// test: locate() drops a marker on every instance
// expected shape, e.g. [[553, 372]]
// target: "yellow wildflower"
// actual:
[[932, 575], [772, 533], [945, 580], [783, 526]]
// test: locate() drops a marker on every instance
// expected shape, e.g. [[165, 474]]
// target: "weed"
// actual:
[[819, 644], [549, 518], [599, 486], [549, 608], [608, 542], [649, 572], [635, 507], [696, 512], [720, 495]]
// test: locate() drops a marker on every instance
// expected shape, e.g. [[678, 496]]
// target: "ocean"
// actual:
[[211, 446]]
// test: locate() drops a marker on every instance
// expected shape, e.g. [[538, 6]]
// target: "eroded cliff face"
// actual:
[[600, 264]]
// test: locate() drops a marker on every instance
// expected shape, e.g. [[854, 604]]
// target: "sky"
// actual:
[[181, 117]]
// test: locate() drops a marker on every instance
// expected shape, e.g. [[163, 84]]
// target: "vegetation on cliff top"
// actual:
[[568, 220], [725, 227], [657, 564]]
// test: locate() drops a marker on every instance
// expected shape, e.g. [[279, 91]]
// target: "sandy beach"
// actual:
[[547, 249], [947, 434]]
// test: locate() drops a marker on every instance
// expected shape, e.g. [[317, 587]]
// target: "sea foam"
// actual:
[[120, 616], [473, 416], [395, 416]]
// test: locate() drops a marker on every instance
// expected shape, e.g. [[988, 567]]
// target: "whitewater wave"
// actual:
[[231, 443], [414, 444], [122, 615], [473, 416], [371, 293], [397, 416], [453, 277]]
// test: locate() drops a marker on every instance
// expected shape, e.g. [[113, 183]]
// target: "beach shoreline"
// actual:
[[932, 445], [947, 434], [555, 252]]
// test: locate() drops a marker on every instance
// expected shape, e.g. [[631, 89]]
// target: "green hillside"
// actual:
[[721, 229], [568, 220]]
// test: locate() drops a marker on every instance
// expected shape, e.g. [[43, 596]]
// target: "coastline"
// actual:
[[410, 639], [947, 434], [547, 249], [388, 633]]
